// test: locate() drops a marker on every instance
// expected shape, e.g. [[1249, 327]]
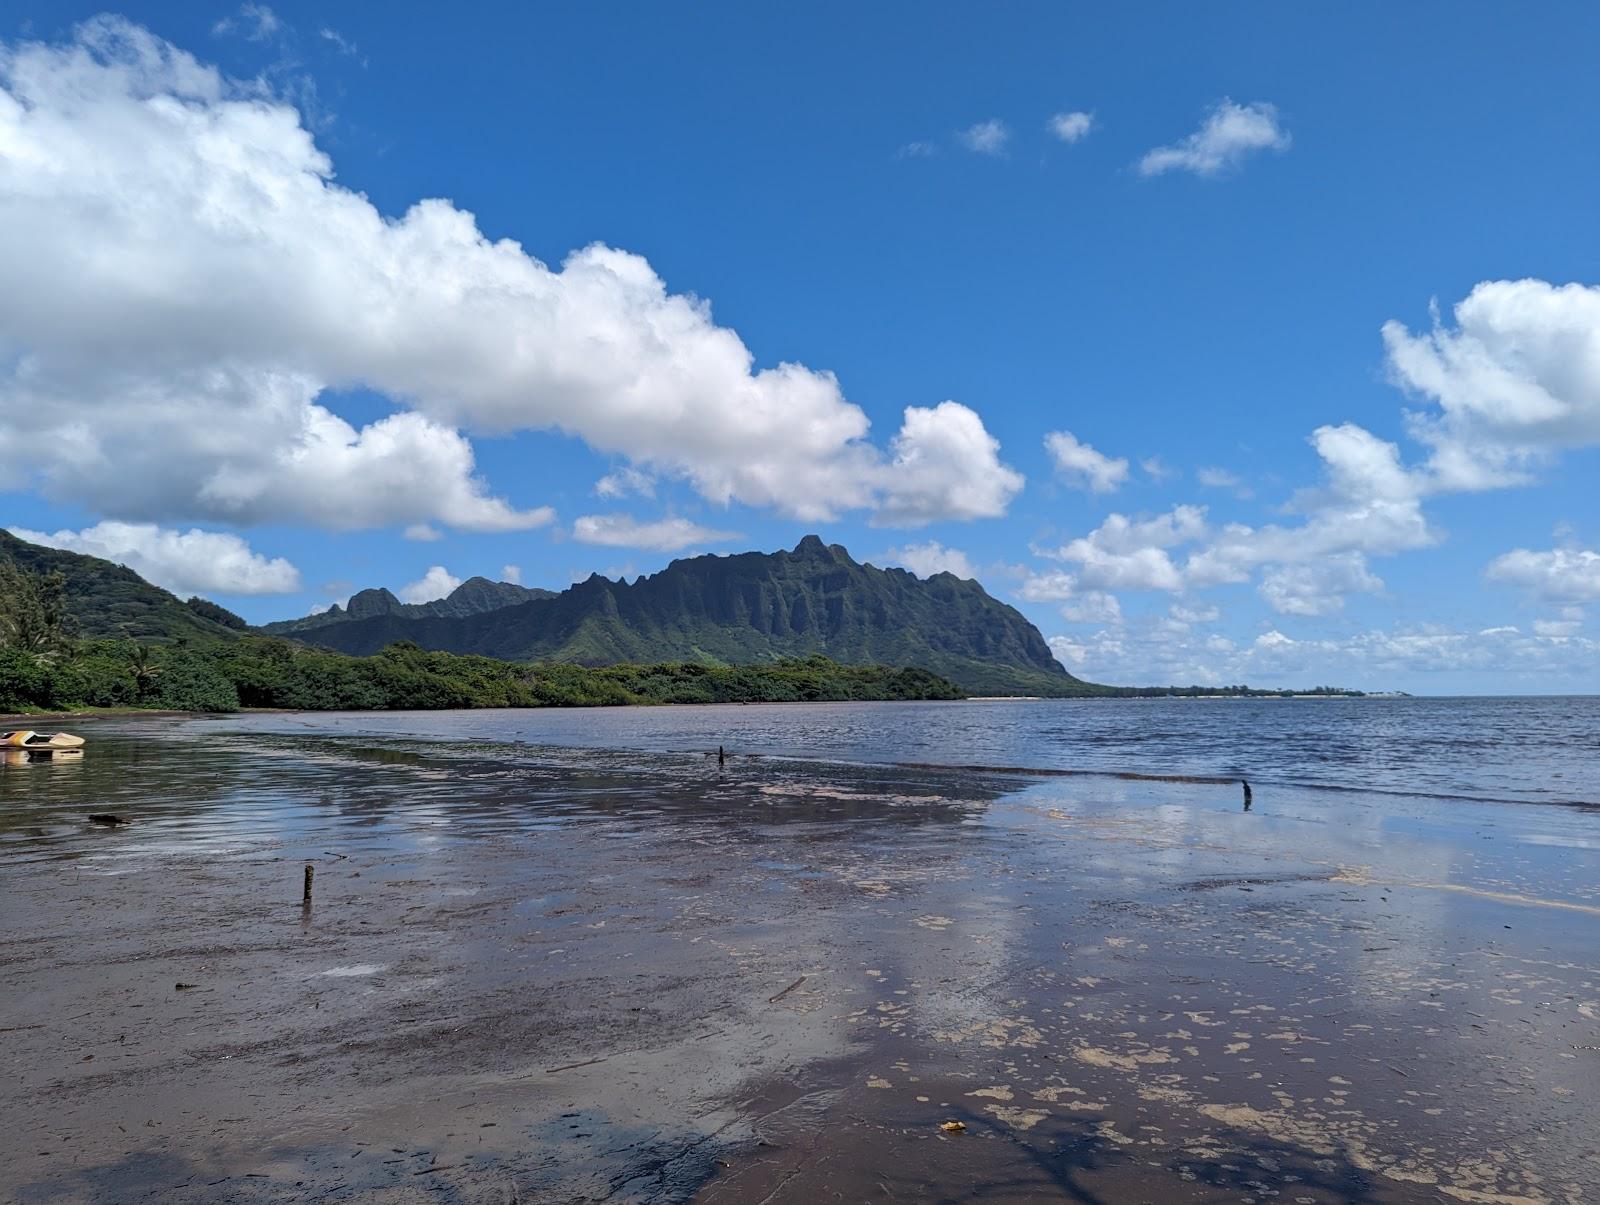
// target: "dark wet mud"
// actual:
[[563, 975]]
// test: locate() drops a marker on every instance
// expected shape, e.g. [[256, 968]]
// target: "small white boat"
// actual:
[[50, 742]]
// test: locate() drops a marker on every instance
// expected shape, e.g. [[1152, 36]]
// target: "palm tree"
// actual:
[[33, 610], [141, 667]]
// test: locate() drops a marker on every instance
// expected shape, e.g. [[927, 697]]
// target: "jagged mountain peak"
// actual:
[[743, 608]]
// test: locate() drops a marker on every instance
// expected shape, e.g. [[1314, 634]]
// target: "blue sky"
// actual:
[[1181, 241]]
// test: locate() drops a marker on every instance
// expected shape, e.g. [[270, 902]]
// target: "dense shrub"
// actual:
[[25, 680], [192, 682]]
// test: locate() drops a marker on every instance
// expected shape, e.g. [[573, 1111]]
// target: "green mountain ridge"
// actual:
[[474, 596], [109, 601], [748, 608]]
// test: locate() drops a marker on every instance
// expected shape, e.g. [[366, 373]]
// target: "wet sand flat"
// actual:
[[547, 975]]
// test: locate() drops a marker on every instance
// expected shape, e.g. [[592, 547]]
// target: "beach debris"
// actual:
[[786, 991], [575, 1066], [722, 756], [310, 871], [109, 819], [953, 1127], [1249, 796], [184, 987]]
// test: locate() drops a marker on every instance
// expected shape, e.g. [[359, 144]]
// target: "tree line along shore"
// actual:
[[270, 673]]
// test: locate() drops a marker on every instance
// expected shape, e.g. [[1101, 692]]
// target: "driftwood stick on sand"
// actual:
[[310, 870], [575, 1066], [786, 991]]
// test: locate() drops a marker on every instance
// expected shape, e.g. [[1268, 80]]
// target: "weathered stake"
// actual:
[[1248, 797], [310, 870], [722, 756]]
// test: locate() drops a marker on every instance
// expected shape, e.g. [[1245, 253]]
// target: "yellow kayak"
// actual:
[[27, 739]]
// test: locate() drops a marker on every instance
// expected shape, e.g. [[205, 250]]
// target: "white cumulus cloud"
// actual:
[[1318, 587], [1093, 606], [624, 481], [1516, 380], [927, 559], [254, 22], [1154, 653], [1081, 465], [1555, 575], [182, 283], [986, 137], [185, 562], [1128, 554], [434, 584], [944, 466], [1071, 127], [1368, 505], [657, 535], [1050, 586], [1229, 133]]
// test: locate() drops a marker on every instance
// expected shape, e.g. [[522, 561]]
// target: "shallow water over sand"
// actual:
[[543, 973]]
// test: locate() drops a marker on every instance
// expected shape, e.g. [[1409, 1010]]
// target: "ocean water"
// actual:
[[1529, 750]]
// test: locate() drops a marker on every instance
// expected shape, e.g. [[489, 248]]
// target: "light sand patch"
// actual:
[[1018, 1119], [1097, 1056], [1358, 876], [877, 1081], [1166, 1096], [995, 1034], [1055, 1092], [1109, 1132], [1352, 1140], [1490, 1198], [998, 1092]]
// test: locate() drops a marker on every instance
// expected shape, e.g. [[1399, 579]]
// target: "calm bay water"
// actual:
[[1534, 750]]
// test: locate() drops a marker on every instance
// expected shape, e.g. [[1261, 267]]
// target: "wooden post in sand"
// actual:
[[1248, 797], [306, 898], [722, 756]]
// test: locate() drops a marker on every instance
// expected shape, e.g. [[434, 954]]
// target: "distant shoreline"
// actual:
[[19, 719]]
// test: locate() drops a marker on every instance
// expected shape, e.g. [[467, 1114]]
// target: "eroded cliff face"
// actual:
[[746, 608]]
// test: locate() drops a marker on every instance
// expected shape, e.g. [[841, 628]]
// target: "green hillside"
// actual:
[[751, 608], [108, 601]]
